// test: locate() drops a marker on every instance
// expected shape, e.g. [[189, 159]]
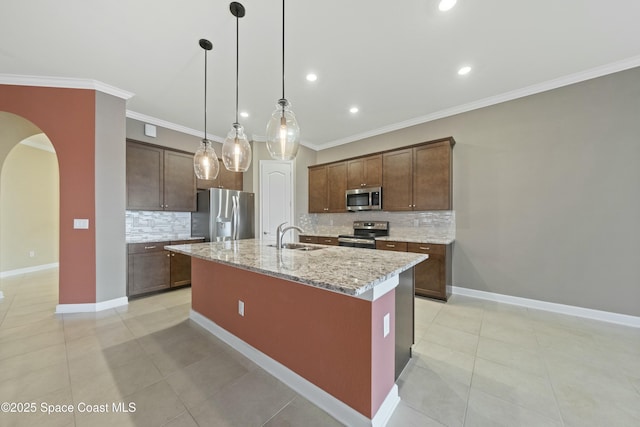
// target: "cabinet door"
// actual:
[[147, 272], [180, 269], [397, 180], [225, 179], [355, 173], [229, 179], [318, 189], [145, 177], [430, 275], [364, 172], [337, 186], [432, 177], [373, 171], [179, 182]]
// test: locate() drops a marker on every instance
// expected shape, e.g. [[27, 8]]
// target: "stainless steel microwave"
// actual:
[[364, 199]]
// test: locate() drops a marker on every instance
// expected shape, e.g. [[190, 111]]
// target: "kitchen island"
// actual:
[[323, 321]]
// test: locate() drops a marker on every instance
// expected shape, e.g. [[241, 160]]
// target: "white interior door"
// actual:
[[276, 197]]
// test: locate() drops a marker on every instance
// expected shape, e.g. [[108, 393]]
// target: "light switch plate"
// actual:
[[386, 324], [241, 308], [80, 224]]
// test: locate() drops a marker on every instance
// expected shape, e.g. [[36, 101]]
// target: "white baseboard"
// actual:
[[26, 270], [336, 408], [604, 316], [90, 308]]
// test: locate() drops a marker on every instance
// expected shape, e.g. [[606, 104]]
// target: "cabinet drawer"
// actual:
[[186, 242], [427, 248], [308, 239], [327, 241], [136, 248], [389, 245]]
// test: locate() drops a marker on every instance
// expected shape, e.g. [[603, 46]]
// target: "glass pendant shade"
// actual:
[[283, 132], [205, 161], [236, 151]]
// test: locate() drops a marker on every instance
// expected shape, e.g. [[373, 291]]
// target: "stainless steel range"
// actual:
[[364, 234]]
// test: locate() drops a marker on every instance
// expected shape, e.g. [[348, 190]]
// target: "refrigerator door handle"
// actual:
[[234, 217]]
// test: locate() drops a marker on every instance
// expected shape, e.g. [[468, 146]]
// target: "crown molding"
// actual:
[[567, 80], [169, 125], [64, 82]]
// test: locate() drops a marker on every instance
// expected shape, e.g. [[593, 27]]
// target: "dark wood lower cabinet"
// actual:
[[148, 268], [321, 240], [151, 268], [432, 277]]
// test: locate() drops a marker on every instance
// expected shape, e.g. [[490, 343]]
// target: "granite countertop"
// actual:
[[351, 271], [160, 238]]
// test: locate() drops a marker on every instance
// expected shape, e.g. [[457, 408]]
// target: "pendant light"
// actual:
[[205, 161], [236, 151], [283, 132]]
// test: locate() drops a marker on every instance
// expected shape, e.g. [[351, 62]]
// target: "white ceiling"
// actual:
[[396, 60]]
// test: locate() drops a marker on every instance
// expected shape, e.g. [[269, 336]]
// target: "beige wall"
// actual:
[[29, 208], [545, 193]]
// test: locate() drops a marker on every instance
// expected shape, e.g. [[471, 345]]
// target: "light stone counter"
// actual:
[[350, 271]]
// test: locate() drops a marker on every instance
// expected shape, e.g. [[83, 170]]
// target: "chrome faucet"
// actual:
[[280, 233]]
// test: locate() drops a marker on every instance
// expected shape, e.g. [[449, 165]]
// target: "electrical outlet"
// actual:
[[32, 254], [386, 327], [241, 308]]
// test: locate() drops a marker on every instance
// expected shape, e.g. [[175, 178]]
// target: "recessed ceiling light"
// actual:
[[464, 70], [353, 110], [244, 114], [312, 77], [446, 5]]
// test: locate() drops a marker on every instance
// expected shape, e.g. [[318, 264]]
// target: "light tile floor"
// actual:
[[476, 363]]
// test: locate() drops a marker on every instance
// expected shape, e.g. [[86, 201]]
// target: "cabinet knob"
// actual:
[[168, 255]]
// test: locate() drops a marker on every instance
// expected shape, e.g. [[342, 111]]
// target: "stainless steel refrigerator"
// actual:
[[223, 215]]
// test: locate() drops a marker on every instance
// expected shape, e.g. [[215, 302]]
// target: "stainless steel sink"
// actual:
[[299, 247]]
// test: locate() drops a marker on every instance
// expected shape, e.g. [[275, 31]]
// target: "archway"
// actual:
[[87, 129], [29, 207]]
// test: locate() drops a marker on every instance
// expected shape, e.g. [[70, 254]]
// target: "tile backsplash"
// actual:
[[440, 225], [160, 225]]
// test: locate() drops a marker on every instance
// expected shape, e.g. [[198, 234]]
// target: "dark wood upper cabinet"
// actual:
[[364, 172], [179, 182], [225, 179], [327, 188], [318, 189], [145, 177], [397, 180], [159, 179], [337, 186], [432, 177], [418, 177]]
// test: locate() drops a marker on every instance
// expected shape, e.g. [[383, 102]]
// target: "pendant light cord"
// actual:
[[237, 61], [205, 95], [283, 49]]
